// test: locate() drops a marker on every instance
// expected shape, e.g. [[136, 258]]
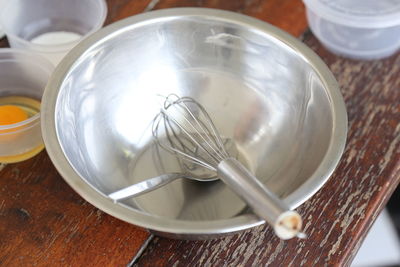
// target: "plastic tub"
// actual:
[[51, 27], [23, 77], [360, 29]]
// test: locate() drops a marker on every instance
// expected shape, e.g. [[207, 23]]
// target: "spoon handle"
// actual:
[[144, 186]]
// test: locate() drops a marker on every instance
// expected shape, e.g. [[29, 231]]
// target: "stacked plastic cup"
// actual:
[[40, 33], [23, 77], [51, 27]]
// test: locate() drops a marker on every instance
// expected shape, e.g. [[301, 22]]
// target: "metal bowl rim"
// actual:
[[180, 227]]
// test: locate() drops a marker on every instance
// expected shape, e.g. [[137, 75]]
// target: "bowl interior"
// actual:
[[259, 91]]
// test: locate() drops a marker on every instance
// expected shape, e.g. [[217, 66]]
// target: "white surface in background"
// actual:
[[381, 247]]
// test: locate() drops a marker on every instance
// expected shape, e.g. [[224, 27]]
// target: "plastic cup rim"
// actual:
[[62, 46], [353, 20]]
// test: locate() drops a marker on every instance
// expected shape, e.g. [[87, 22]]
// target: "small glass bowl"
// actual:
[[23, 77]]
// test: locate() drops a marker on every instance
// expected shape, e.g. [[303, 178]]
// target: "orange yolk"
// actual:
[[10, 114]]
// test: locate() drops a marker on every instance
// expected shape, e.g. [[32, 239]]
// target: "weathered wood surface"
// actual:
[[43, 222], [285, 14], [338, 217]]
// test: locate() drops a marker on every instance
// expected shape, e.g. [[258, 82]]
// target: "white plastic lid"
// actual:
[[358, 13]]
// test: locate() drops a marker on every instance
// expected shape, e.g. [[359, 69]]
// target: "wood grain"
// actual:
[[285, 14], [43, 222], [338, 217], [120, 9]]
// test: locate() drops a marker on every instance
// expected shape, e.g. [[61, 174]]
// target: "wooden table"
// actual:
[[43, 222]]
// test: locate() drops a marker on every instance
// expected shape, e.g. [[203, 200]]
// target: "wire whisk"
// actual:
[[184, 128]]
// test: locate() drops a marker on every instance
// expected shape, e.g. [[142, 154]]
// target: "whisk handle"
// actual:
[[264, 203]]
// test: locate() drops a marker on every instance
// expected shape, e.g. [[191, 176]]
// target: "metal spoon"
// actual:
[[189, 170], [150, 185]]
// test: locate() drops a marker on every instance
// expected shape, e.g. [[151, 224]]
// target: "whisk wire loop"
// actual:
[[192, 136], [186, 136], [185, 150], [208, 134], [176, 147]]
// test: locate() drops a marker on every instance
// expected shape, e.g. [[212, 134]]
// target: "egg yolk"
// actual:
[[10, 114]]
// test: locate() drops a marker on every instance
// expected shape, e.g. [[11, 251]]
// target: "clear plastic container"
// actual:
[[23, 77], [64, 22], [361, 29]]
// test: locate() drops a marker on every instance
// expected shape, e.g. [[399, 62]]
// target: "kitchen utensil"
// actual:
[[188, 171], [185, 129], [147, 186], [267, 91]]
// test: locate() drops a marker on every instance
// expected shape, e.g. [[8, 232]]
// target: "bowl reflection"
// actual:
[[263, 89]]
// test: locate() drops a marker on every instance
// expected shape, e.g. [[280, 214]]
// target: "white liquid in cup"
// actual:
[[55, 38], [50, 28]]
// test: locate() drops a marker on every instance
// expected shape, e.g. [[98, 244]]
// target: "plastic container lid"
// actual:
[[358, 13]]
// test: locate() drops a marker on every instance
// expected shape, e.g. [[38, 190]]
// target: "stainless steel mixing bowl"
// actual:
[[264, 89]]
